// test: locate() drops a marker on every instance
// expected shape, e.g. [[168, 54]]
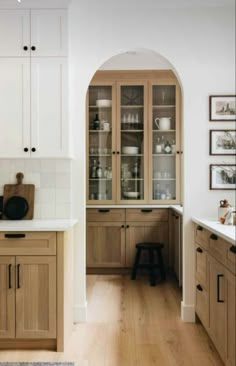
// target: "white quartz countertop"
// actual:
[[227, 232], [37, 225], [177, 208]]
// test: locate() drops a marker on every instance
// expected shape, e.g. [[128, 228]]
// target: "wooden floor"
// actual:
[[131, 324]]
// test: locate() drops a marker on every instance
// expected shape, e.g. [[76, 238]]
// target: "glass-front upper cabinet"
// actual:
[[131, 142], [164, 143], [100, 144]]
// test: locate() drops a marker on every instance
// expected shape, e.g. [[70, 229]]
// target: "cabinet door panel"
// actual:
[[49, 124], [201, 266], [36, 297], [14, 107], [14, 33], [202, 304], [7, 297], [105, 244], [49, 32], [231, 319]]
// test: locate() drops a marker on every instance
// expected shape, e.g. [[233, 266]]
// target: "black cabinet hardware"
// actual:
[[26, 149], [113, 152], [199, 228], [233, 249], [177, 217], [127, 226], [9, 276], [213, 237], [103, 210], [199, 250], [25, 48], [14, 236], [18, 275], [218, 287], [118, 153], [177, 152], [146, 210], [122, 226], [199, 287], [33, 48], [33, 149]]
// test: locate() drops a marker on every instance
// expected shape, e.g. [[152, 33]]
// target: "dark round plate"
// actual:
[[16, 208]]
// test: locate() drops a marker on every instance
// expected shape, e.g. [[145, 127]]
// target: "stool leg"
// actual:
[[161, 265], [136, 263], [152, 268]]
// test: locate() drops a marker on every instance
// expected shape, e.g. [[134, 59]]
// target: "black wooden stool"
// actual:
[[151, 248]]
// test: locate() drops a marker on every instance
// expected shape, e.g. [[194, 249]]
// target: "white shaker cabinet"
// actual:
[[49, 125], [14, 107], [14, 33]]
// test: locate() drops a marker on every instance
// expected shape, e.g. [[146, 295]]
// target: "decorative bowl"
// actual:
[[131, 194], [132, 150], [103, 103]]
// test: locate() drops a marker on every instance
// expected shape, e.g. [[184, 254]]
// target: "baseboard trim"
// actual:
[[80, 313], [188, 313]]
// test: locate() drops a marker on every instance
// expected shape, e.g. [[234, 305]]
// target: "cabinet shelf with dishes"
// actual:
[[141, 131]]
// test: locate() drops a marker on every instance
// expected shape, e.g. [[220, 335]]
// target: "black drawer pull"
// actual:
[[199, 228], [199, 250], [233, 249], [103, 210], [18, 275], [199, 287], [9, 276], [146, 210], [14, 236], [177, 217], [218, 287], [213, 237]]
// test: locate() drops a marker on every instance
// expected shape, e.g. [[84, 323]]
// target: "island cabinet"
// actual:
[[216, 291], [32, 284], [113, 233]]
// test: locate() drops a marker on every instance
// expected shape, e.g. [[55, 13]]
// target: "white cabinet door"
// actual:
[[14, 107], [49, 32], [14, 33], [49, 124]]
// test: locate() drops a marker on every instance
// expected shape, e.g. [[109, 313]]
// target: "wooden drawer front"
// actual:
[[28, 243], [202, 304], [139, 214], [202, 236], [105, 214], [220, 249], [201, 266]]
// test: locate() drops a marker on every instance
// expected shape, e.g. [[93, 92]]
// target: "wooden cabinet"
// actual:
[[32, 284], [216, 292], [130, 157], [41, 32]]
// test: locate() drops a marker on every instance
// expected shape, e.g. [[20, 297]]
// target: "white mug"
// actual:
[[164, 123]]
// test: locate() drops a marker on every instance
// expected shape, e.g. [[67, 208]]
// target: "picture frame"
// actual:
[[222, 176], [222, 142], [222, 108]]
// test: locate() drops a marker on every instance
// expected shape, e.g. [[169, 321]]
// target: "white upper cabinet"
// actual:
[[48, 33], [49, 125], [37, 33], [14, 33], [14, 107]]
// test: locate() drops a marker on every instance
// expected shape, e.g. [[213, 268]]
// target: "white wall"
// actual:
[[200, 44]]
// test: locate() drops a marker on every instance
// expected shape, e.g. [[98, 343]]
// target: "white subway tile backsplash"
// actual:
[[52, 180]]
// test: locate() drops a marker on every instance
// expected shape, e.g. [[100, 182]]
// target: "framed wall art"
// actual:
[[222, 142], [222, 108], [223, 176]]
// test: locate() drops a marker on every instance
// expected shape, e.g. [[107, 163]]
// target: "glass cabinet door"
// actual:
[[100, 169], [164, 142], [131, 141]]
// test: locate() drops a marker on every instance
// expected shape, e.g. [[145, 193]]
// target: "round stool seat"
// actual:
[[148, 245]]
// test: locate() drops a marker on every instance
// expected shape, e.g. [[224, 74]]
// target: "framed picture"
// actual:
[[222, 107], [222, 142], [223, 176]]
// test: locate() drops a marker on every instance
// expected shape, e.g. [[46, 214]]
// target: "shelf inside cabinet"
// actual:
[[163, 179], [131, 106], [96, 107], [132, 131], [100, 155], [99, 179], [163, 155], [163, 131], [131, 155], [99, 131], [133, 179], [163, 106]]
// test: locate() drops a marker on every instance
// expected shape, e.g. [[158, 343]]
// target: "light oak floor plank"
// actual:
[[131, 324]]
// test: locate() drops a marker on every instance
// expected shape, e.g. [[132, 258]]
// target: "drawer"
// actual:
[[146, 214], [220, 249], [201, 266], [202, 236], [28, 243], [202, 304], [105, 214]]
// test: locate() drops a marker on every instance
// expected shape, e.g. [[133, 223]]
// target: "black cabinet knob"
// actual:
[[127, 226], [33, 149], [113, 152], [26, 149], [25, 48], [199, 250], [33, 48], [122, 226], [118, 152]]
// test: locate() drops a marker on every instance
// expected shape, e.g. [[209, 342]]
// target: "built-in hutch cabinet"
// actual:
[[216, 291], [33, 83], [133, 138]]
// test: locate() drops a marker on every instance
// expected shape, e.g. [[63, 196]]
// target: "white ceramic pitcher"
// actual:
[[164, 123]]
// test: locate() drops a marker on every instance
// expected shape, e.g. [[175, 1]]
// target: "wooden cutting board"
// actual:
[[23, 190]]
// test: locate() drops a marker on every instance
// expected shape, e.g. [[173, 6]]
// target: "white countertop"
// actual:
[[177, 208], [227, 232], [37, 225]]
